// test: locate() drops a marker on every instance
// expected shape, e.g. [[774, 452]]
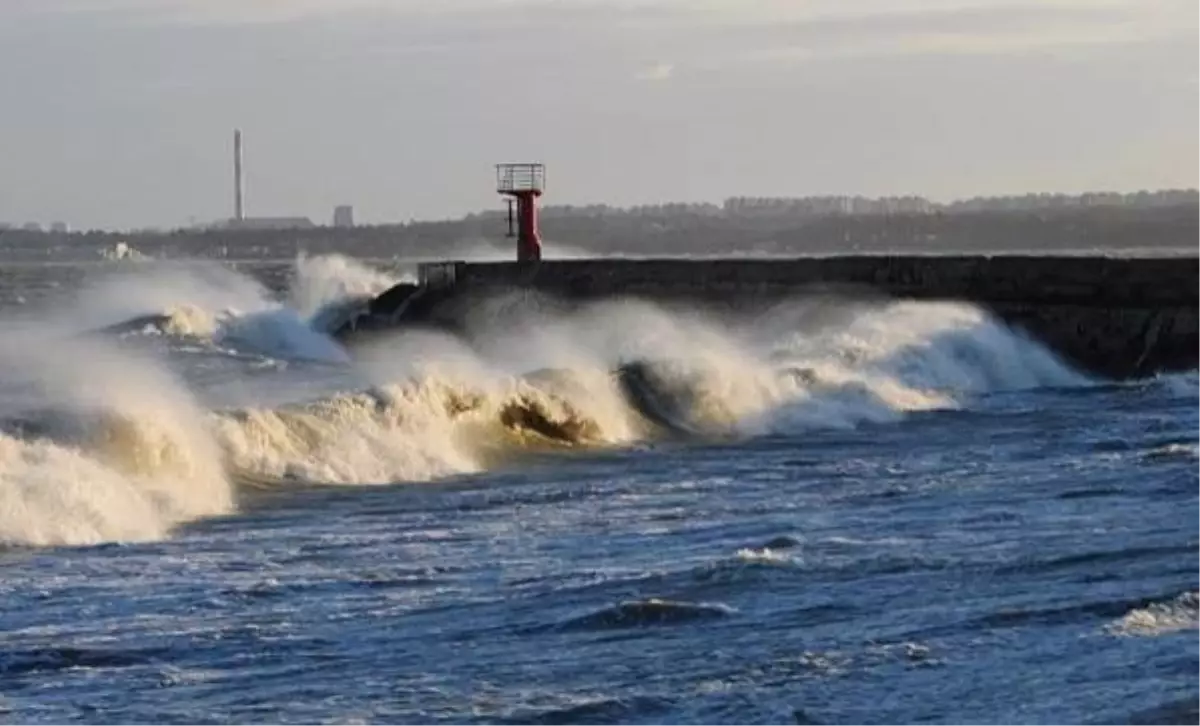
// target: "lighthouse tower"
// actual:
[[522, 184]]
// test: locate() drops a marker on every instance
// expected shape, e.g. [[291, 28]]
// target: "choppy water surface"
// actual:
[[625, 514]]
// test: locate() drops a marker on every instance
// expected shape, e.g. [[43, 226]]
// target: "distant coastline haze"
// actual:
[[118, 113]]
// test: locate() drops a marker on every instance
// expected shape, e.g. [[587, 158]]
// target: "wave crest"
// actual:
[[603, 374], [119, 454], [1180, 613], [415, 431]]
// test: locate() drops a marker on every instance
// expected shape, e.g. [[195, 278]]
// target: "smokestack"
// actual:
[[239, 210]]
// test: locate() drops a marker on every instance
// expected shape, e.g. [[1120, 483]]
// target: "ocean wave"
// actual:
[[227, 309], [118, 452], [1179, 613], [460, 410], [582, 710], [601, 375], [650, 612], [413, 431], [50, 659], [322, 280]]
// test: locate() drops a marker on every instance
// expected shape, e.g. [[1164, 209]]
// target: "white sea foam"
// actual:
[[411, 431], [763, 556], [116, 451], [196, 292], [523, 375], [214, 303], [445, 405], [1160, 618], [317, 282], [882, 362]]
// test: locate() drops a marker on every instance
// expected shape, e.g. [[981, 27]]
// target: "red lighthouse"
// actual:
[[523, 183]]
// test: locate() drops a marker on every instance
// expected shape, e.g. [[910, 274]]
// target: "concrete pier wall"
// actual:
[[1123, 282], [1119, 317]]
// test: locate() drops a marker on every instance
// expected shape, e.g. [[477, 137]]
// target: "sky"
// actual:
[[119, 113]]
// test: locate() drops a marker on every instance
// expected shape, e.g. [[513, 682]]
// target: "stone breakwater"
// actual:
[[1118, 317]]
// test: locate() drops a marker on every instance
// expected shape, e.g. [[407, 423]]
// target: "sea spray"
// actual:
[[324, 280], [892, 358], [586, 381], [282, 333], [734, 374], [605, 373], [434, 407], [216, 304], [110, 296], [116, 450], [937, 345], [411, 431], [631, 369]]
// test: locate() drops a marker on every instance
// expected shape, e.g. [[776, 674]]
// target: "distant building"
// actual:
[[343, 216], [32, 227], [60, 227], [266, 223]]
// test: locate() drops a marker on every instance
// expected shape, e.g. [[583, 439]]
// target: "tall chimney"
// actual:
[[239, 210]]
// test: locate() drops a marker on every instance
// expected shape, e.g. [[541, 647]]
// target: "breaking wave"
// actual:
[[1180, 613], [219, 306], [318, 282], [406, 432], [118, 450], [443, 408]]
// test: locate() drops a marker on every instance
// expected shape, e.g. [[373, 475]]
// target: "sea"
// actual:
[[823, 512]]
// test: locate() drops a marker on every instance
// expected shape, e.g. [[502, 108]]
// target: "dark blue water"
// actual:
[[968, 566], [1026, 553]]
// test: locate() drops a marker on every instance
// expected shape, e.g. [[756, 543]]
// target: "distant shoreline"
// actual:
[[667, 231]]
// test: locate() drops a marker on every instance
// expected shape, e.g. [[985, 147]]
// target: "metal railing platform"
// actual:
[[520, 178]]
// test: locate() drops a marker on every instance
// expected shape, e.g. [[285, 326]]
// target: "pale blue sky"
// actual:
[[118, 113]]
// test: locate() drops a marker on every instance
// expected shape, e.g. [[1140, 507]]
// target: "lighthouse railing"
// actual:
[[520, 177]]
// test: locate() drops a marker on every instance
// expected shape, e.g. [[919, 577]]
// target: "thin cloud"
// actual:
[[655, 73], [733, 12], [1014, 30], [962, 43]]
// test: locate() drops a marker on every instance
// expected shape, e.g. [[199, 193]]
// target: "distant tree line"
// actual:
[[1035, 222]]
